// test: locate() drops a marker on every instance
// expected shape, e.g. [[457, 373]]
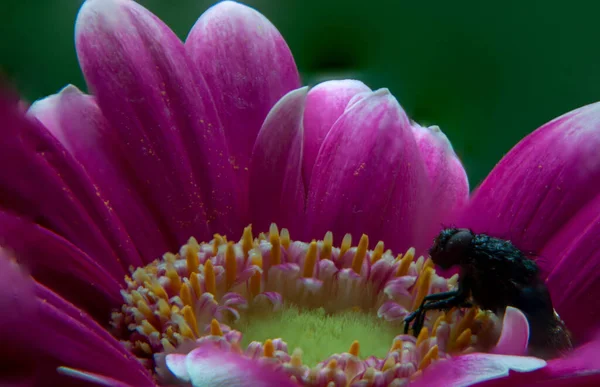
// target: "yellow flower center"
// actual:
[[319, 311]]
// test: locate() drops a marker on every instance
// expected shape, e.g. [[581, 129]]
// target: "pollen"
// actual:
[[262, 296]]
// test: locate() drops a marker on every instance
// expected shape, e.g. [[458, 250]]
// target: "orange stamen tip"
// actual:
[[185, 294], [275, 244], [191, 255], [247, 240], [389, 363], [210, 281], [327, 245], [230, 266], [346, 244], [285, 238], [354, 348], [464, 339], [332, 364], [397, 345], [431, 355], [377, 252], [423, 335], [215, 328], [361, 253], [436, 324], [310, 260], [190, 319], [268, 348]]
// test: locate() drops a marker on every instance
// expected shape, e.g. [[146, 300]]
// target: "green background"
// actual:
[[486, 72]]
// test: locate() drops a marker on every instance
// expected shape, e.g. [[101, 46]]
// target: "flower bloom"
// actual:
[[181, 146]]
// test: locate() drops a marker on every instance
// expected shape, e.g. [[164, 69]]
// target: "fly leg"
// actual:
[[436, 301]]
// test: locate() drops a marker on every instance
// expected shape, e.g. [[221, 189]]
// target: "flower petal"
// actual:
[[545, 179], [70, 338], [209, 366], [248, 67], [475, 368], [77, 122], [276, 188], [369, 177], [150, 93], [325, 103], [515, 333], [58, 264], [572, 259], [449, 183], [43, 183]]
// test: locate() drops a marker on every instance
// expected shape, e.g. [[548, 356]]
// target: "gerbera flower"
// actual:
[[182, 145]]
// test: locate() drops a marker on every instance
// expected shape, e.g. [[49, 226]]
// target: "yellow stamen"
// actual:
[[431, 355], [361, 252], [184, 329], [377, 252], [428, 263], [163, 308], [354, 348], [148, 328], [397, 345], [332, 365], [247, 241], [215, 328], [389, 363], [346, 244], [157, 289], [423, 335], [191, 255], [168, 347], [186, 295], [463, 340], [190, 319], [255, 280], [327, 245], [140, 275], [276, 245], [436, 324], [268, 348], [195, 281], [310, 260], [230, 266], [217, 241], [146, 311], [174, 279], [296, 360], [285, 238], [369, 374], [210, 281], [404, 265], [423, 286]]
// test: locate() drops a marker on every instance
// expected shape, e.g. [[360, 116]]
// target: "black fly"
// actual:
[[495, 274]]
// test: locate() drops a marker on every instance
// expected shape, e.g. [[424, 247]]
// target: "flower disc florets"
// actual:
[[311, 297]]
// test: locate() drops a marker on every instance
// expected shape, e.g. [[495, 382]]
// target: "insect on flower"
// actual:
[[495, 274]]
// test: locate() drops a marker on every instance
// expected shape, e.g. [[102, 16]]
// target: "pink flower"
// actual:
[[179, 141]]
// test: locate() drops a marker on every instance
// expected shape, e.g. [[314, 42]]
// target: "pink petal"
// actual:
[[68, 337], [58, 264], [77, 122], [399, 286], [93, 378], [449, 183], [248, 67], [276, 188], [164, 115], [176, 363], [475, 368], [545, 179], [573, 258], [369, 177], [391, 311], [515, 333], [325, 103], [208, 366], [47, 186]]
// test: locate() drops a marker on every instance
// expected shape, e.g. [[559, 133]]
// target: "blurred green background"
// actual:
[[486, 72]]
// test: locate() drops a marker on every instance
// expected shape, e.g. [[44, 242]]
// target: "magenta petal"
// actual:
[[276, 188], [573, 259], [325, 103], [475, 368], [92, 378], [77, 122], [248, 67], [515, 333], [449, 183], [209, 366], [70, 338], [151, 94], [546, 178], [58, 264], [369, 177], [42, 182]]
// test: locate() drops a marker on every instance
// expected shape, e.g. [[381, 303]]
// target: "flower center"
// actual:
[[301, 305]]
